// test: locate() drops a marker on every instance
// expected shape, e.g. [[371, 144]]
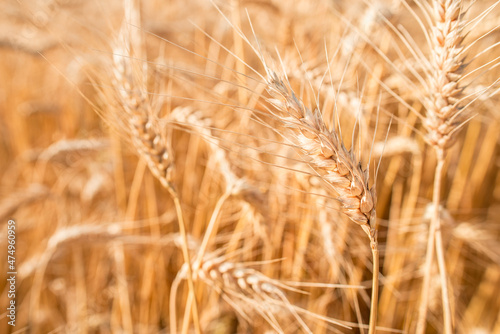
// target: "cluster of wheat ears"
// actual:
[[245, 166]]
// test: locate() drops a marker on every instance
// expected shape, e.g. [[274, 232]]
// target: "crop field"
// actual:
[[250, 166]]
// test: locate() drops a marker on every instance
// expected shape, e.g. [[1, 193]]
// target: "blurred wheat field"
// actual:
[[216, 167]]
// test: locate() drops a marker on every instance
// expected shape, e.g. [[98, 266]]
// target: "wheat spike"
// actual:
[[243, 287], [443, 120], [447, 65], [142, 123], [148, 134], [325, 152]]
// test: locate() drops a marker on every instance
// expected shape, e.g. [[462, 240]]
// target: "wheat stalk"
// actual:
[[244, 287], [443, 120], [250, 286], [148, 135], [338, 167]]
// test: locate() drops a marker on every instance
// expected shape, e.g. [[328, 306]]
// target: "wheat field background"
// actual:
[[248, 166]]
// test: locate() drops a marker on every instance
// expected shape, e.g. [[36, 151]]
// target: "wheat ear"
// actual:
[[247, 289], [134, 112], [326, 154], [443, 120], [444, 114]]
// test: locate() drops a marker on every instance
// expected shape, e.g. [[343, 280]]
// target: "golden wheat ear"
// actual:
[[337, 166], [324, 152], [250, 292], [132, 112], [444, 118], [446, 67]]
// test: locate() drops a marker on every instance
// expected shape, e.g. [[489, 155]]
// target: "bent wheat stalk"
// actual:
[[326, 154], [134, 113], [247, 290]]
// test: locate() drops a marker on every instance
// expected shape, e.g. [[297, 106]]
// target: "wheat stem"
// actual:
[[210, 231], [374, 298], [435, 240], [443, 119], [436, 217], [185, 253], [424, 299], [211, 228], [172, 305]]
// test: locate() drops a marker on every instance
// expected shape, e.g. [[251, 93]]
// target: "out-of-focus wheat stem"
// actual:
[[436, 222], [187, 258], [209, 233], [434, 234], [172, 304]]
